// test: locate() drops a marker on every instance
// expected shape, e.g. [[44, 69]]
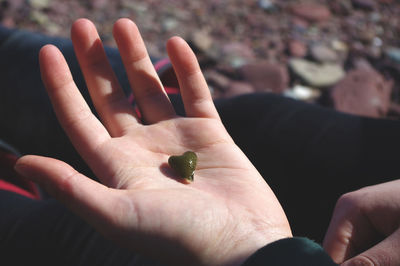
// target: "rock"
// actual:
[[361, 63], [317, 75], [39, 4], [366, 36], [297, 48], [238, 88], [8, 22], [343, 7], [340, 46], [323, 53], [377, 41], [169, 24], [302, 93], [363, 92], [237, 54], [394, 54], [311, 12], [267, 5], [98, 4], [358, 49], [341, 49], [202, 40], [364, 4], [13, 5], [217, 80], [39, 17], [394, 109], [300, 25], [374, 52], [265, 76]]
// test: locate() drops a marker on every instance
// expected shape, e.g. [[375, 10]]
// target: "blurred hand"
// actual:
[[221, 218], [365, 228]]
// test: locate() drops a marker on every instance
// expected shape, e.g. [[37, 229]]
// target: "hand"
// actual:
[[221, 218], [365, 228]]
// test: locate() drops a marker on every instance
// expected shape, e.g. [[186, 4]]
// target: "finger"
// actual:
[[108, 97], [384, 253], [149, 93], [87, 198], [83, 128], [349, 231], [195, 92]]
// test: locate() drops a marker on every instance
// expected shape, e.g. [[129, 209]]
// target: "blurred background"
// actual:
[[342, 54]]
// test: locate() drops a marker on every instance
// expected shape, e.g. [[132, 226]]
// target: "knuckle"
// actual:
[[66, 184], [382, 259], [79, 117], [349, 201], [355, 199], [362, 260]]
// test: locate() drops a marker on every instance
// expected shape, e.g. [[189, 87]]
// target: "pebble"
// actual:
[[323, 53], [394, 54], [39, 4], [169, 24], [267, 5], [98, 4], [317, 75], [339, 46], [237, 88], [303, 93], [297, 48], [311, 12], [361, 63], [217, 79], [343, 7], [363, 92], [13, 5], [266, 76], [202, 40], [364, 4], [236, 54]]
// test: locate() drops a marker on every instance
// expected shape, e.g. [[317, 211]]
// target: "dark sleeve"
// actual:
[[295, 251]]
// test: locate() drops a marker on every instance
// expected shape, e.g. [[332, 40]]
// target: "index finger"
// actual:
[[196, 95], [84, 130]]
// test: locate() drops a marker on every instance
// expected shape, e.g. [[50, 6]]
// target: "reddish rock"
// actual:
[[297, 48], [363, 92], [265, 76], [343, 7], [311, 12], [237, 88], [217, 80], [98, 4]]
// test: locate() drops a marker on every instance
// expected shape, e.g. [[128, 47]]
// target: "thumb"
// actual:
[[385, 253], [84, 196]]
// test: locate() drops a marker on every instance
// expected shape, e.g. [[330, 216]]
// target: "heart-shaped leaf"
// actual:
[[184, 164]]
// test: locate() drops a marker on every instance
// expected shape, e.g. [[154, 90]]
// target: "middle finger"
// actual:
[[109, 99], [149, 93]]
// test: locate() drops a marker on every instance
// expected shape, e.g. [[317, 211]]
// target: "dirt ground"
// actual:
[[244, 43]]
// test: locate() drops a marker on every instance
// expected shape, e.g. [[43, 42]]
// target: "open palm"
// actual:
[[221, 218]]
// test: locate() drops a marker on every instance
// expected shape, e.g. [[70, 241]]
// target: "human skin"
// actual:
[[365, 228], [221, 218]]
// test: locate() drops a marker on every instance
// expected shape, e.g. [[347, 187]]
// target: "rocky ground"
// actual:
[[344, 54]]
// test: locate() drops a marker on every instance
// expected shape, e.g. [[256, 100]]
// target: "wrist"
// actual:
[[238, 250], [303, 251]]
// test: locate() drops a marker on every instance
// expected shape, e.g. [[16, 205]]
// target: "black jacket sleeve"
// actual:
[[297, 251]]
